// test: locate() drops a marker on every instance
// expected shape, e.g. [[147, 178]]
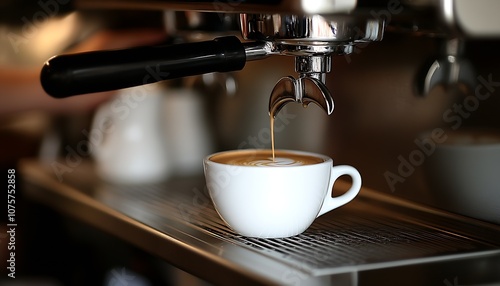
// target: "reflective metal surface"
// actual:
[[258, 6], [373, 236], [451, 69], [303, 90], [312, 39], [459, 17], [311, 30], [377, 239]]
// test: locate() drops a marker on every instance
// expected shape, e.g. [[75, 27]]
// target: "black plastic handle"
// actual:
[[73, 74]]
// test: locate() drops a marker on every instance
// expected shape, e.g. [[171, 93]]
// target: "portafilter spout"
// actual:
[[309, 87]]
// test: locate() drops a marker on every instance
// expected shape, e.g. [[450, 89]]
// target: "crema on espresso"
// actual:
[[264, 158]]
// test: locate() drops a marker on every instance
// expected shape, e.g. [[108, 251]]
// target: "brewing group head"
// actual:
[[312, 40]]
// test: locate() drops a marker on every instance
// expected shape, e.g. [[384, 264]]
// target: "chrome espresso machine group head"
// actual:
[[311, 39], [310, 31]]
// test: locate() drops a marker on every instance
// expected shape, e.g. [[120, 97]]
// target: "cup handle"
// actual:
[[329, 202]]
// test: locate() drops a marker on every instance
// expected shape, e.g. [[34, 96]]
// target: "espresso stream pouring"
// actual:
[[302, 90]]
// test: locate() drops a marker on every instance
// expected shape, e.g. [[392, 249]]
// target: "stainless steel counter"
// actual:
[[375, 240]]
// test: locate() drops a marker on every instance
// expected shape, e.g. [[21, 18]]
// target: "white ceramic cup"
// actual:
[[275, 201], [463, 173]]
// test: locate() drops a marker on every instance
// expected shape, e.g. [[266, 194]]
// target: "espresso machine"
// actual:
[[311, 39], [393, 70], [312, 33], [319, 37]]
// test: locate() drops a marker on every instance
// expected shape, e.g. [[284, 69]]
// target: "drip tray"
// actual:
[[177, 221], [373, 231]]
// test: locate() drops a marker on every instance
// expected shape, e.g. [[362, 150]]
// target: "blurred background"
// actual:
[[379, 113]]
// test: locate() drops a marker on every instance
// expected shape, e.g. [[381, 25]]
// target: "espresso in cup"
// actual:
[[257, 196], [264, 158]]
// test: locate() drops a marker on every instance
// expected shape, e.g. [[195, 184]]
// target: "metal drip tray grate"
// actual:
[[360, 235], [344, 239]]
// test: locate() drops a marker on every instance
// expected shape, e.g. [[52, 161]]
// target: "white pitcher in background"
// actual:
[[149, 133]]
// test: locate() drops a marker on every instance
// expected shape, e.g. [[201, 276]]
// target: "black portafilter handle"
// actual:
[[66, 75]]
